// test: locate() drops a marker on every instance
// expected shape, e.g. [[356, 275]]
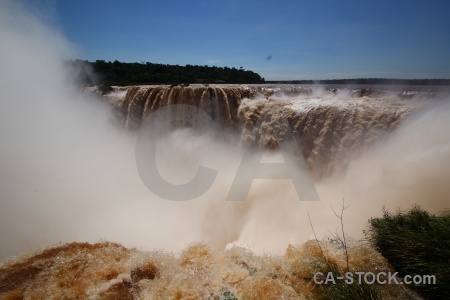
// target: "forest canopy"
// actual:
[[109, 73], [103, 73]]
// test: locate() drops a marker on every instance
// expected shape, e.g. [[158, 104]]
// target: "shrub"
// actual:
[[343, 291], [415, 243]]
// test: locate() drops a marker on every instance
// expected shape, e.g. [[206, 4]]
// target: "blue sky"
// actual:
[[311, 39]]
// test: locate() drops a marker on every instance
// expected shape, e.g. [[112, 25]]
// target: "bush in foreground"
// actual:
[[415, 242]]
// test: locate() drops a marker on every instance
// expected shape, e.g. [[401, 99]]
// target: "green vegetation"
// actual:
[[416, 243], [343, 291], [105, 73], [109, 73]]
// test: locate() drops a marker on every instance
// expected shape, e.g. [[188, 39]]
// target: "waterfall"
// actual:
[[329, 125]]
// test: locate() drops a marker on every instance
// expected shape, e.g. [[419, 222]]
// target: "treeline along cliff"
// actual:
[[109, 73]]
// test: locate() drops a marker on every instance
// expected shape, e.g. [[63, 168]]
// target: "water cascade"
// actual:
[[329, 125]]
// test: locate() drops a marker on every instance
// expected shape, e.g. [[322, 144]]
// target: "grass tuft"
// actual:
[[343, 291], [415, 242]]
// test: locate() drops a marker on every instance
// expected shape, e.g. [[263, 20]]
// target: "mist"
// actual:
[[68, 172]]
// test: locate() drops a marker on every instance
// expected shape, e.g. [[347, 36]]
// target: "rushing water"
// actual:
[[330, 125], [373, 148], [68, 174]]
